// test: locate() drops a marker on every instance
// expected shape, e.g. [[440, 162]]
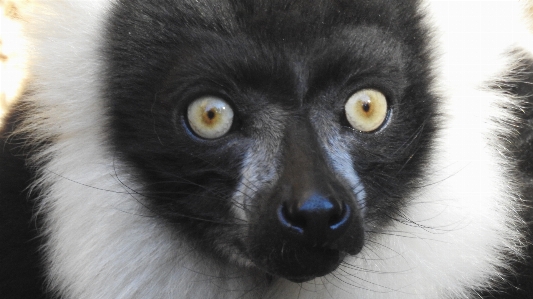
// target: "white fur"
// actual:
[[100, 246]]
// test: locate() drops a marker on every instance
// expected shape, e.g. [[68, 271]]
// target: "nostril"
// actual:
[[341, 218], [288, 220], [296, 218]]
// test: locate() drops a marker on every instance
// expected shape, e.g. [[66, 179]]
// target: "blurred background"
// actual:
[[13, 57]]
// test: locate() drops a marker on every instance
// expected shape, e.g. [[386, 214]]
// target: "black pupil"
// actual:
[[211, 114], [366, 106]]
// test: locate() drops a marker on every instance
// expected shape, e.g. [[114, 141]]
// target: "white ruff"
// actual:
[[99, 246]]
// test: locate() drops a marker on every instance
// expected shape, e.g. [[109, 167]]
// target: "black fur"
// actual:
[[255, 55], [21, 274]]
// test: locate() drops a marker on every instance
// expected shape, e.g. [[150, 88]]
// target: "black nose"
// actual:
[[318, 220]]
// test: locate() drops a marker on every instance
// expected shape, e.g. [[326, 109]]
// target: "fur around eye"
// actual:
[[366, 110], [210, 117]]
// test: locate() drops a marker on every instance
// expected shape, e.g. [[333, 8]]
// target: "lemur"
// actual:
[[290, 149]]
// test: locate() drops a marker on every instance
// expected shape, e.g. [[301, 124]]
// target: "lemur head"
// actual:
[[283, 135]]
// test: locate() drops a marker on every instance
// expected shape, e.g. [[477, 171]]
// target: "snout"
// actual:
[[301, 239], [306, 224]]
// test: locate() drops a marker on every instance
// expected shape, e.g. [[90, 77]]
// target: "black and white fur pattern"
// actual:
[[460, 229]]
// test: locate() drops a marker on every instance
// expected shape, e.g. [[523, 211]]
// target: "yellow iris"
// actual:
[[366, 110], [210, 117]]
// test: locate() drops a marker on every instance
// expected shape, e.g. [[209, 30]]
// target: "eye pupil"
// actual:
[[211, 114], [366, 106]]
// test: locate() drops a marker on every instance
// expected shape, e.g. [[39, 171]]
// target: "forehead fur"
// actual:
[[290, 19]]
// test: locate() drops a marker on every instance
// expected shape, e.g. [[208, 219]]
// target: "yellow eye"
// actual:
[[210, 117], [366, 110]]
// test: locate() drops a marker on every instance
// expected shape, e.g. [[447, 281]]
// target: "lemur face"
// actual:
[[277, 141]]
